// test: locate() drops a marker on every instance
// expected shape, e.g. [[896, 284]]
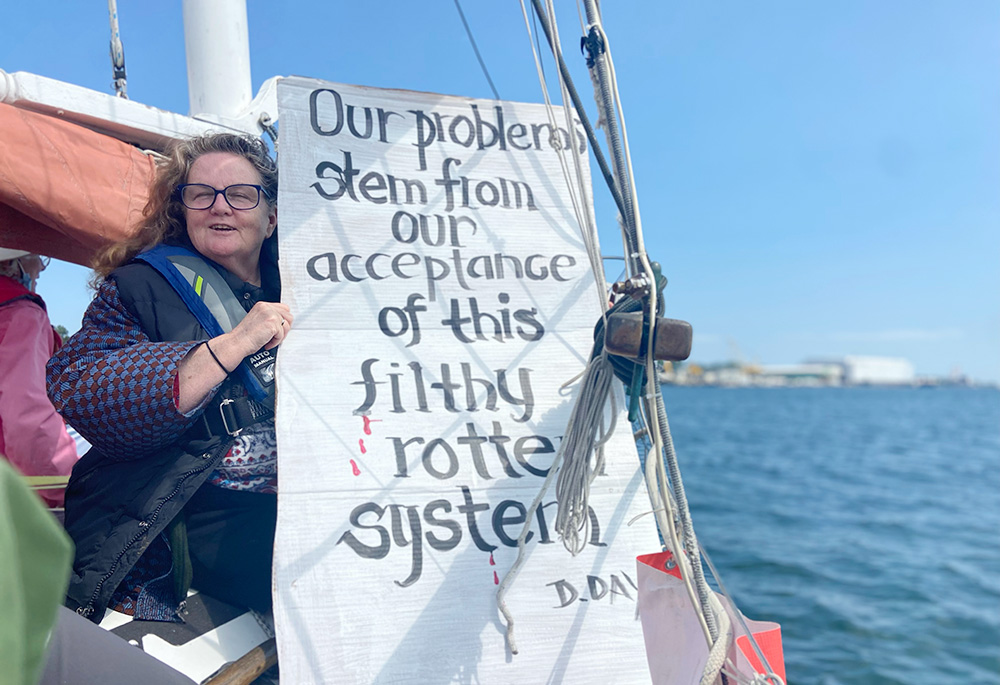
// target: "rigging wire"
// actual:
[[635, 255], [770, 675], [666, 491], [538, 43], [670, 508], [706, 601], [610, 104], [577, 474], [587, 416], [596, 261], [118, 53], [711, 608], [475, 48], [656, 476], [595, 147], [584, 218], [579, 16]]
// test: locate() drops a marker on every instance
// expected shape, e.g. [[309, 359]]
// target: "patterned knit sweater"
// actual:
[[119, 389]]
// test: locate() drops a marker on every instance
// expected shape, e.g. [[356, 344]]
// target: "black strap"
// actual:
[[226, 418]]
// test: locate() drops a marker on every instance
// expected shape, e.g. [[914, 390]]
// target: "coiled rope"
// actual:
[[580, 430]]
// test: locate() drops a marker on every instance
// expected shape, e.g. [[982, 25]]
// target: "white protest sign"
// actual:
[[442, 296]]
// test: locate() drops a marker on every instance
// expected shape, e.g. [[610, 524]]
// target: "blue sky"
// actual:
[[818, 179]]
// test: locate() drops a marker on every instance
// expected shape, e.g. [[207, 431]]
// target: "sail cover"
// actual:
[[443, 298], [66, 191]]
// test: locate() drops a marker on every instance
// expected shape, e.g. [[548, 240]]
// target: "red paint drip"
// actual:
[[354, 467], [368, 424], [361, 444], [492, 563], [496, 578]]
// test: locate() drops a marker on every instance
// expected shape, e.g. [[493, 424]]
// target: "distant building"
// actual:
[[814, 373], [878, 371], [728, 375], [845, 371]]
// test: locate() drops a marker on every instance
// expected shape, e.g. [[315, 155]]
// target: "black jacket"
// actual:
[[115, 509]]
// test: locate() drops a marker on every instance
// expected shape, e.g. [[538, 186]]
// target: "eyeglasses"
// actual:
[[201, 196]]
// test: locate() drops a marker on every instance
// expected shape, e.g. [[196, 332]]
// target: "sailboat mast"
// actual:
[[217, 44]]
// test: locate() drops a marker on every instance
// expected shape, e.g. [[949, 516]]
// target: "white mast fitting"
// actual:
[[217, 45]]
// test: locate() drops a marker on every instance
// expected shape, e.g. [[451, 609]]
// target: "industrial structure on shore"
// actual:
[[845, 371]]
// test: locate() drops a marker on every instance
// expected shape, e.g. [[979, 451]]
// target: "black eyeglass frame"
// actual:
[[261, 190]]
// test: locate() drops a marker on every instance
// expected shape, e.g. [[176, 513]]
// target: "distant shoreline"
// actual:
[[859, 386]]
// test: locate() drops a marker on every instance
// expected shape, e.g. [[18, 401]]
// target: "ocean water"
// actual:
[[866, 521]]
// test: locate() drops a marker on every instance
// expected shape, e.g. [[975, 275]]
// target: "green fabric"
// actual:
[[35, 559], [182, 570]]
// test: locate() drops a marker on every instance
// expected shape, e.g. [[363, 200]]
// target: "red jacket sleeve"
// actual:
[[34, 436]]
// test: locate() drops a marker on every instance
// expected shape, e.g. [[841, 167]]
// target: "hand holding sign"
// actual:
[[264, 327]]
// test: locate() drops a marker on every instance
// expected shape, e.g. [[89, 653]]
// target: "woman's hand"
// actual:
[[264, 327]]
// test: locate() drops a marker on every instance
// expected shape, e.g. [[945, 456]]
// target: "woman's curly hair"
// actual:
[[163, 216]]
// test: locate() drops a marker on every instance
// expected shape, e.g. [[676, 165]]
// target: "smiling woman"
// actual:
[[179, 489], [229, 225]]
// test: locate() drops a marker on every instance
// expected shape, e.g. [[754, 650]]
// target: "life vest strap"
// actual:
[[160, 258]]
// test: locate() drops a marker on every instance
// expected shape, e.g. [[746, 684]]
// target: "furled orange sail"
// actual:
[[66, 191]]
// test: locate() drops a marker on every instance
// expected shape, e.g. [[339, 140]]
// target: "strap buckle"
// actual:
[[226, 419]]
